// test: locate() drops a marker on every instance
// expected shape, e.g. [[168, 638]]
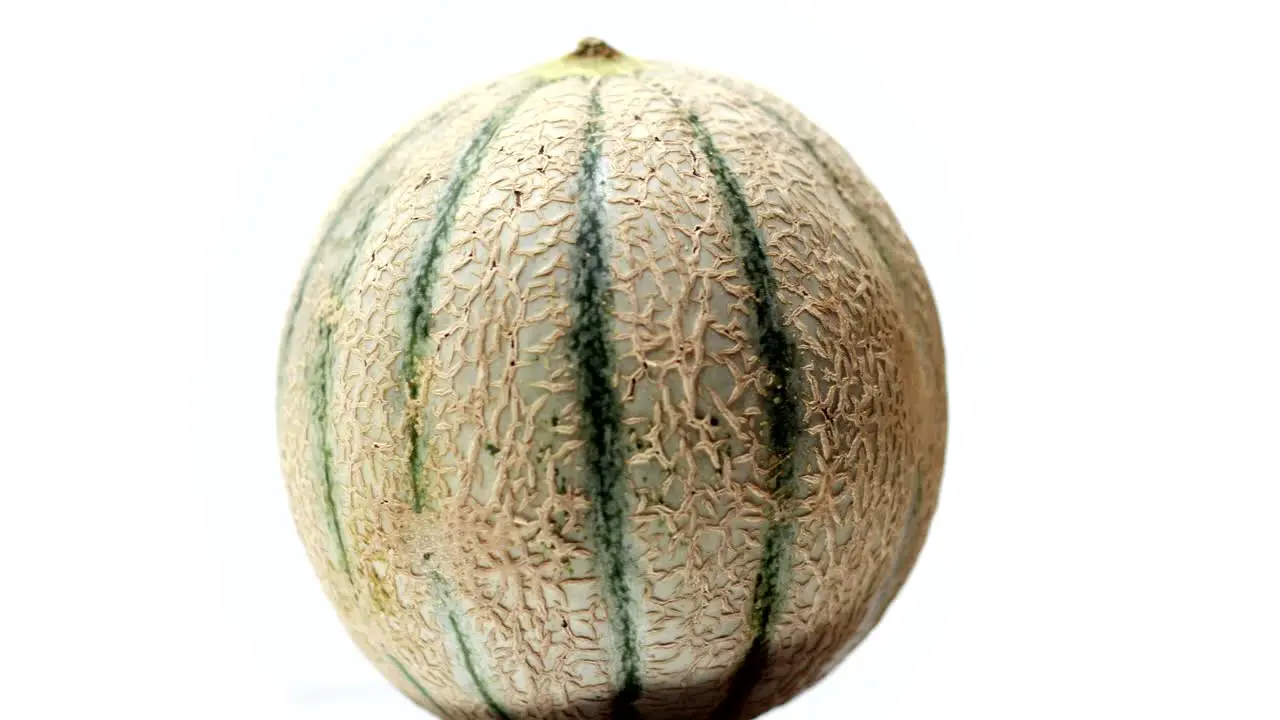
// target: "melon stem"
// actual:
[[591, 47], [592, 58]]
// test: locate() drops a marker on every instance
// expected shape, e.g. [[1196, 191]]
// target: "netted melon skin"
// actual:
[[611, 390]]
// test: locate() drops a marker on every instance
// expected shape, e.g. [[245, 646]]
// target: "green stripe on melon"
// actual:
[[363, 190], [781, 407], [590, 345], [417, 686], [320, 407], [419, 319]]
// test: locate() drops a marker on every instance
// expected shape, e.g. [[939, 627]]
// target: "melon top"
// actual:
[[611, 388]]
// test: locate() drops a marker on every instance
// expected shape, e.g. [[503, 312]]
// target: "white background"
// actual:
[[1093, 188]]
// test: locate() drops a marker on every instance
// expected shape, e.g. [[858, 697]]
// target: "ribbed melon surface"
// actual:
[[611, 389]]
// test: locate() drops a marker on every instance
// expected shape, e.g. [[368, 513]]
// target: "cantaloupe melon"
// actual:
[[611, 389]]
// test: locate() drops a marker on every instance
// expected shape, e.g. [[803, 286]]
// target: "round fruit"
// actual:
[[611, 389]]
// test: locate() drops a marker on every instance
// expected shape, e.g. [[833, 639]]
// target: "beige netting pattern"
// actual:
[[499, 558]]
